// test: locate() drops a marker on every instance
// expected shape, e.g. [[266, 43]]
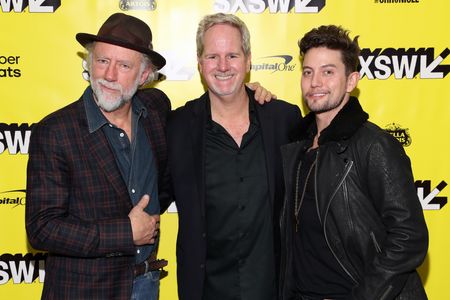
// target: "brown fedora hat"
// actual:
[[128, 32]]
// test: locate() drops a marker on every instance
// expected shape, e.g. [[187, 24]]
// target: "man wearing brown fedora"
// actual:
[[94, 171]]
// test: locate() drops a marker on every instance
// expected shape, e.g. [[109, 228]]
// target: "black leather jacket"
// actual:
[[372, 219]]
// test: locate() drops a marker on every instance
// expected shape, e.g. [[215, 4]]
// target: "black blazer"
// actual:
[[186, 144]]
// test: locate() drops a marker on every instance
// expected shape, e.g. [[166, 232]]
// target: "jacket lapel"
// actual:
[[153, 130], [103, 157], [99, 152], [267, 132], [197, 126]]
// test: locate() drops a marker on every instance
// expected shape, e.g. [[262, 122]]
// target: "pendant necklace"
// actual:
[[298, 202]]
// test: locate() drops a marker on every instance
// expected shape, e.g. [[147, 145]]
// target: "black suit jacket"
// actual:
[[186, 145]]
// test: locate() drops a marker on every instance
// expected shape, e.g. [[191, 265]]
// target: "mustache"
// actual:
[[110, 85]]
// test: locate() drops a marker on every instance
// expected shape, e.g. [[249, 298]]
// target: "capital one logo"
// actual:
[[13, 198], [273, 6], [34, 6], [274, 63], [403, 63]]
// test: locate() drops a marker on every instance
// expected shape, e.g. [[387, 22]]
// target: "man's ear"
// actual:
[[249, 62], [199, 64], [145, 75], [352, 81]]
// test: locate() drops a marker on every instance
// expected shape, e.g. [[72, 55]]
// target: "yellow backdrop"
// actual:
[[405, 89]]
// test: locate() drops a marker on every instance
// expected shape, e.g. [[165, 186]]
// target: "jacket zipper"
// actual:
[[375, 242], [347, 170]]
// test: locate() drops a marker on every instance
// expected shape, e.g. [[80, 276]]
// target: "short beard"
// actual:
[[109, 103], [327, 106]]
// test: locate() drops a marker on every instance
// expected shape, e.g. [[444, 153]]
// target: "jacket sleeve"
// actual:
[[50, 223], [165, 190], [391, 186], [165, 184]]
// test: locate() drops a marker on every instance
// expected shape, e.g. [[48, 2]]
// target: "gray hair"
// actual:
[[221, 18]]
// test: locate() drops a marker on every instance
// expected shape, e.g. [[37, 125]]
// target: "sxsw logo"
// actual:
[[274, 63], [403, 63], [34, 6], [429, 197], [19, 268], [15, 138], [13, 198], [273, 6]]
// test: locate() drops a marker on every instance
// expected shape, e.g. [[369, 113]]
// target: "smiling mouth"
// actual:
[[223, 77], [317, 94]]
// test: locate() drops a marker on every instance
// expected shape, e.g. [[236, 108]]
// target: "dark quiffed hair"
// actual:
[[335, 38]]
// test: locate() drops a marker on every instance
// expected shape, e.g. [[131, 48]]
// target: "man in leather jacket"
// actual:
[[352, 225]]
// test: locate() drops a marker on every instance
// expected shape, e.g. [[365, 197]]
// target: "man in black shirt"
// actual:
[[225, 164]]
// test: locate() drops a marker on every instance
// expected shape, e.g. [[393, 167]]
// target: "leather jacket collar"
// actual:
[[342, 127]]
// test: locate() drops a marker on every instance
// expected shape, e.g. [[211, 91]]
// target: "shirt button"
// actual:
[[202, 266], [133, 191], [203, 235], [110, 125], [122, 134], [138, 251]]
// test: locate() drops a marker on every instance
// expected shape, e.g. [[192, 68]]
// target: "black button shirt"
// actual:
[[240, 257]]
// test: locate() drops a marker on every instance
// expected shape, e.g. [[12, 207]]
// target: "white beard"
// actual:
[[110, 103]]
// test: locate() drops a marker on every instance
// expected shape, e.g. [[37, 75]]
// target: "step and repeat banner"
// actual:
[[405, 88]]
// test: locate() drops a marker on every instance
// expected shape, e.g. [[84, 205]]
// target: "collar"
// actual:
[[96, 119], [348, 120], [251, 106]]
